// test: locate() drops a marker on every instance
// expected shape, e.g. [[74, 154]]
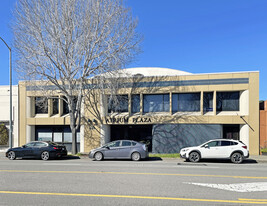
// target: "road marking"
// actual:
[[258, 200], [133, 173], [240, 187], [255, 201]]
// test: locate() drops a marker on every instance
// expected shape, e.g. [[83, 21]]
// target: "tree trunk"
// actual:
[[74, 142]]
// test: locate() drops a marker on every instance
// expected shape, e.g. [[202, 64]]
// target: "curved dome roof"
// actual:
[[153, 71]]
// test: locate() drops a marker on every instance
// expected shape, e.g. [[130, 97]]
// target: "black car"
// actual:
[[37, 149]]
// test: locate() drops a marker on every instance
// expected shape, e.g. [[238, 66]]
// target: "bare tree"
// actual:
[[65, 42]]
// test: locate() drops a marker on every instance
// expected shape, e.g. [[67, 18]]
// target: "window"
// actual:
[[135, 103], [41, 105], [208, 101], [66, 106], [40, 144], [114, 144], [126, 143], [118, 103], [186, 102], [31, 144], [58, 133], [55, 105], [214, 144], [227, 101], [226, 143], [156, 103]]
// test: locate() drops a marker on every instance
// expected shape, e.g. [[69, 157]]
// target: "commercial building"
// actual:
[[166, 108]]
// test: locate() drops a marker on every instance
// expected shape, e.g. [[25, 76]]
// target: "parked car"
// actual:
[[120, 149], [37, 149], [234, 150]]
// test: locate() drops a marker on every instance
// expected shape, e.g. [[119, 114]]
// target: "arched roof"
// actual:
[[152, 71]]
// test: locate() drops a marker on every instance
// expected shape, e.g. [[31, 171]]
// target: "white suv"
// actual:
[[217, 149]]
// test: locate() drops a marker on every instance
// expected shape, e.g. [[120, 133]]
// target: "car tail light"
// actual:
[[245, 147], [55, 148]]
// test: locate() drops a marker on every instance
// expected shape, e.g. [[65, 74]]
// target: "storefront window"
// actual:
[[227, 101], [135, 103], [66, 106], [156, 103], [208, 101], [41, 105], [118, 103], [186, 102], [61, 134]]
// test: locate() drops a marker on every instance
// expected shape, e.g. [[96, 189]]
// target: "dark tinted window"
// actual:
[[186, 102], [126, 143], [208, 101], [134, 143], [234, 143], [156, 103], [118, 103], [227, 101], [135, 103], [225, 143], [41, 105]]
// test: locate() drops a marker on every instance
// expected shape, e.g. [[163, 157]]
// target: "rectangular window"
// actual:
[[208, 101], [61, 134], [227, 101], [135, 103], [156, 103], [186, 102], [118, 103], [55, 106], [41, 105], [66, 106]]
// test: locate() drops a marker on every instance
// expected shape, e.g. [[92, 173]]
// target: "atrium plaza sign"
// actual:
[[127, 120]]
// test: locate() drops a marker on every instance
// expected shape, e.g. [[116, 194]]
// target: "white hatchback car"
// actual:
[[217, 149]]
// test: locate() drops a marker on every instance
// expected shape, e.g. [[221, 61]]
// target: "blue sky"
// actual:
[[197, 36]]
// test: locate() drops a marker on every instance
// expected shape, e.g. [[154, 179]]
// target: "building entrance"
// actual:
[[231, 131], [140, 133]]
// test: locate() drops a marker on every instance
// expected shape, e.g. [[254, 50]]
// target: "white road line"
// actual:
[[240, 187]]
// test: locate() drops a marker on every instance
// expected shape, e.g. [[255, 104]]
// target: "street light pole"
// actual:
[[10, 94]]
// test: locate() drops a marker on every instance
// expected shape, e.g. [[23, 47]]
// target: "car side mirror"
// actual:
[[107, 148], [206, 146], [24, 146]]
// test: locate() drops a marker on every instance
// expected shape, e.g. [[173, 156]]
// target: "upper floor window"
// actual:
[[227, 101], [135, 105], [41, 105], [55, 105], [156, 103], [118, 103], [66, 109], [208, 101], [186, 102]]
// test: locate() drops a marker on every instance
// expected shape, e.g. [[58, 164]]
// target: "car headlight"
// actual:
[[184, 150]]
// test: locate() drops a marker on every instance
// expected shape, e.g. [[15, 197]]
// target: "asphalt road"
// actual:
[[152, 182]]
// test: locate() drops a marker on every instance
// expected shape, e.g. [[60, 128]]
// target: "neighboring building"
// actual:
[[263, 124], [169, 109], [5, 110]]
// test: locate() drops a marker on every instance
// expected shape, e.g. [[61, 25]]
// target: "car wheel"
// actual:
[[98, 156], [11, 155], [194, 157], [237, 158], [136, 156], [45, 155]]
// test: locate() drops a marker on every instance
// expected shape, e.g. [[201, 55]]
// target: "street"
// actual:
[[122, 182]]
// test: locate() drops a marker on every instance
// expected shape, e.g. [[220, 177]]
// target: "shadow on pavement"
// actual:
[[246, 161]]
